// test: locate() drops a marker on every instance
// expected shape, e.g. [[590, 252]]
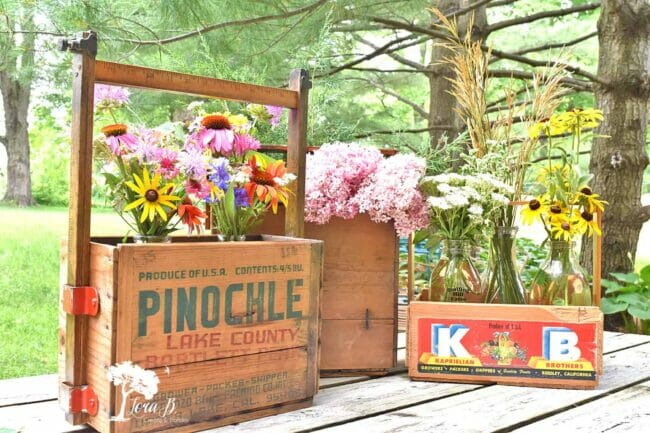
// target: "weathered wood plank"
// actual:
[[614, 342], [28, 389], [37, 418], [500, 407], [627, 410], [147, 78]]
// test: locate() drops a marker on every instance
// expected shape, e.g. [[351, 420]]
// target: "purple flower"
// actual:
[[193, 162], [245, 142], [219, 175], [148, 146], [167, 163], [241, 198], [110, 96], [275, 113]]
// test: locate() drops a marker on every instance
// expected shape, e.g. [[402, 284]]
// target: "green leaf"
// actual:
[[229, 203], [642, 313], [645, 274], [609, 306], [634, 299], [610, 284], [260, 157], [631, 278]]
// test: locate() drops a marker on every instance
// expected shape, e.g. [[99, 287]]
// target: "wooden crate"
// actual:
[[359, 298], [229, 328], [556, 347]]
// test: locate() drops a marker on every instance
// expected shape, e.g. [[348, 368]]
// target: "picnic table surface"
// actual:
[[393, 403]]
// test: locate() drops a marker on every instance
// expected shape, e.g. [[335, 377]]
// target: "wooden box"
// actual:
[[359, 297], [545, 346], [230, 330]]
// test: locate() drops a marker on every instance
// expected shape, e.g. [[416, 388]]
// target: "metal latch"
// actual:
[[80, 300], [77, 399]]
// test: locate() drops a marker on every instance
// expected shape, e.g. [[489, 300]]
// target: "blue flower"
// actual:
[[241, 198], [219, 175]]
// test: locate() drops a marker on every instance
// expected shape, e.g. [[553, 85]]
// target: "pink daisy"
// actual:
[[119, 140]]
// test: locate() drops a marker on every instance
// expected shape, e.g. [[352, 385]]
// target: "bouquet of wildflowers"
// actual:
[[143, 172], [461, 207], [564, 202]]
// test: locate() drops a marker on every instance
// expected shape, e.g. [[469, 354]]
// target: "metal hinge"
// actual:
[[85, 42], [77, 399], [80, 300]]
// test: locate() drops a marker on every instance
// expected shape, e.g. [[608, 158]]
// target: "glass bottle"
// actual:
[[502, 278], [561, 280], [455, 278], [151, 239]]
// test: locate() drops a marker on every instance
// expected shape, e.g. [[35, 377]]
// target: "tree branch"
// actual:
[[405, 131], [412, 71], [536, 63], [3, 139], [556, 45], [394, 56], [643, 214], [218, 26], [496, 4], [541, 15], [525, 75], [416, 107], [467, 9]]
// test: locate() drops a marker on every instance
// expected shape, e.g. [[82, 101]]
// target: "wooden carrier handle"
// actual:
[[596, 260], [87, 71]]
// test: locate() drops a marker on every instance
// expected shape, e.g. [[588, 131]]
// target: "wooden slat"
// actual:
[[72, 338], [296, 153], [626, 410], [283, 149], [28, 389], [501, 407], [158, 79]]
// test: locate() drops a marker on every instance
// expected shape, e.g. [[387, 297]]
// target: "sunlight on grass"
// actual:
[[29, 284]]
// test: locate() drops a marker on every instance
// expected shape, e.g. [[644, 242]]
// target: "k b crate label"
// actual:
[[507, 349], [191, 311]]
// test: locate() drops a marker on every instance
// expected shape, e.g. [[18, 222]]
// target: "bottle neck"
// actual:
[[457, 248]]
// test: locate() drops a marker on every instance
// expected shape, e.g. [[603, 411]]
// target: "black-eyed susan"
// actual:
[[562, 230], [585, 222], [579, 118], [591, 201], [548, 127], [533, 210], [151, 196]]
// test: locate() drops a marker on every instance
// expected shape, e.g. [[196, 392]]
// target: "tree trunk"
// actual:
[[619, 158], [15, 98], [441, 102]]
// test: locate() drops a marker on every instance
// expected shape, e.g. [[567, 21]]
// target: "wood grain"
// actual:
[[72, 338], [157, 79]]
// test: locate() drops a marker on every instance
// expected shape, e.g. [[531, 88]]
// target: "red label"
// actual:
[[507, 348]]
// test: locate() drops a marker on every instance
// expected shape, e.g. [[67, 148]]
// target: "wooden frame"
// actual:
[[87, 71]]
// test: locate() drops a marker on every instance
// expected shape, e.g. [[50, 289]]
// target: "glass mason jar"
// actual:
[[151, 239], [502, 280], [561, 280], [455, 278]]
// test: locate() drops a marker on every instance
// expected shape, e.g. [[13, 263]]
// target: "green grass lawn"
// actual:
[[29, 284]]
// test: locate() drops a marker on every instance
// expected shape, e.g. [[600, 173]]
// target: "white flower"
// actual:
[[444, 188], [438, 203], [285, 180], [242, 175], [457, 200], [475, 209], [500, 198]]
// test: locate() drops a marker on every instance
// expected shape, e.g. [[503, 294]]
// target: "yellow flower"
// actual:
[[533, 210], [584, 222], [579, 118], [151, 197], [562, 230], [545, 172], [546, 127], [238, 121], [588, 199]]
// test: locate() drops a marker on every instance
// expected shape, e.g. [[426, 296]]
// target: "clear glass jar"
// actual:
[[455, 278], [561, 280], [502, 280], [151, 239]]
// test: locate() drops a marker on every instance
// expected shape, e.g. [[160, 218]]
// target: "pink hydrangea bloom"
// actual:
[[245, 142], [334, 174], [392, 193], [276, 113], [110, 96]]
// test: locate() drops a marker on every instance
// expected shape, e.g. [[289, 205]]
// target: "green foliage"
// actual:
[[629, 295], [50, 156], [531, 256]]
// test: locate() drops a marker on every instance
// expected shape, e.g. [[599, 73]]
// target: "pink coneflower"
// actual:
[[110, 96], [245, 142], [276, 114], [193, 162], [215, 134], [118, 139]]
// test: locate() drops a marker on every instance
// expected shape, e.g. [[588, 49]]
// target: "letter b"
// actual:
[[559, 344]]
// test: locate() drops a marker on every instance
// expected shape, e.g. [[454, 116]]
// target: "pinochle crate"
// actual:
[[534, 331], [359, 297], [192, 311]]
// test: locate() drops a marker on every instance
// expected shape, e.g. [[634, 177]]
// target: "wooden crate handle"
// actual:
[[596, 289]]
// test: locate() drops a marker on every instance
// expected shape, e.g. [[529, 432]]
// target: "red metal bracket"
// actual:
[[77, 399], [80, 300]]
